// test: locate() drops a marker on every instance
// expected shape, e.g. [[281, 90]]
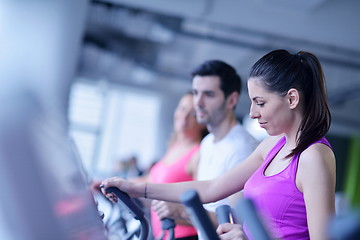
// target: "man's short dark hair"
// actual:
[[230, 81]]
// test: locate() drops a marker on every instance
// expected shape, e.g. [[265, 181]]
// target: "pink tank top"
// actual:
[[277, 198], [176, 172]]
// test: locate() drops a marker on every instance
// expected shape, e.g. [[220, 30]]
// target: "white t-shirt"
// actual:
[[217, 158]]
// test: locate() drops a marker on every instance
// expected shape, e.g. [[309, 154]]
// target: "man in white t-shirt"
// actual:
[[216, 90], [219, 157]]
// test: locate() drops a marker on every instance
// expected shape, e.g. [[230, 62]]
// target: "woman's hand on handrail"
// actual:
[[133, 189]]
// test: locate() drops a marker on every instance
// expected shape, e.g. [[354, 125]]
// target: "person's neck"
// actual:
[[222, 129], [290, 141], [291, 135], [187, 139]]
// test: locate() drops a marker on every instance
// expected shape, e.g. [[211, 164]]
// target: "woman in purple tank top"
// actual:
[[291, 175]]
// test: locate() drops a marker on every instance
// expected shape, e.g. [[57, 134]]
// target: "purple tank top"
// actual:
[[278, 200]]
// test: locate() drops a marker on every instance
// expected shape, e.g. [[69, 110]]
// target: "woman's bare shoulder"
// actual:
[[317, 163], [267, 144], [317, 153], [316, 160]]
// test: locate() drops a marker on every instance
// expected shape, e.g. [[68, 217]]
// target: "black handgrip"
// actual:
[[133, 209], [167, 223], [247, 212], [198, 215], [223, 213]]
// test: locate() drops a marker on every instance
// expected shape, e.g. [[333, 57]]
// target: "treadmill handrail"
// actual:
[[198, 215], [249, 215], [223, 213], [134, 210]]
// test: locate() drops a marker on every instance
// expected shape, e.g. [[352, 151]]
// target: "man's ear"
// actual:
[[293, 98], [232, 100]]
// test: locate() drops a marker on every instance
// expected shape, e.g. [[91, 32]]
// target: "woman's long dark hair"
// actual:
[[280, 71]]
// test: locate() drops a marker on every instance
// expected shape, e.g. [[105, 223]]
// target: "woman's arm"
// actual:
[[316, 179], [143, 178], [209, 191]]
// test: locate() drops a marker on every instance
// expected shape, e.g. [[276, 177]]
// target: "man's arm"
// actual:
[[177, 212], [174, 211]]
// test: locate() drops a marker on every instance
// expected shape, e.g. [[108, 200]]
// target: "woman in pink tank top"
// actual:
[[178, 164], [177, 171], [290, 176]]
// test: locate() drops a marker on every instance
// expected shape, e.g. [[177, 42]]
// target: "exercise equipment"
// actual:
[[167, 225], [223, 214], [245, 209], [191, 200], [133, 209], [248, 214]]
